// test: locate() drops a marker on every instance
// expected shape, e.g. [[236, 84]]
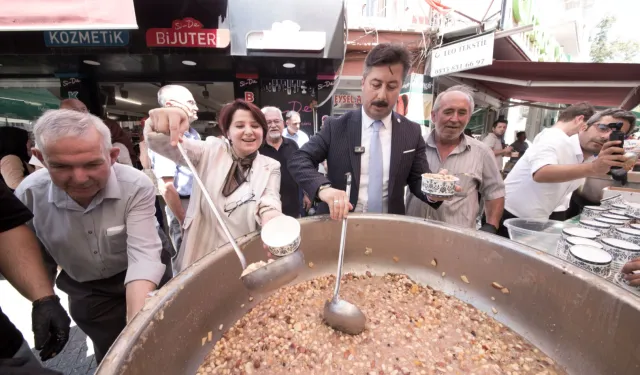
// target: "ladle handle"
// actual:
[[207, 197], [343, 240]]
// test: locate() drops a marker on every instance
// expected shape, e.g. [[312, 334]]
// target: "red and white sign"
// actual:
[[340, 100], [50, 15], [188, 32]]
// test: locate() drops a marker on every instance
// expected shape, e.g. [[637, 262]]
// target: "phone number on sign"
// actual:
[[458, 67]]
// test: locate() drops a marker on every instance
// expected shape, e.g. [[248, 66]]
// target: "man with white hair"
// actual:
[[280, 148], [175, 182], [95, 219], [448, 148]]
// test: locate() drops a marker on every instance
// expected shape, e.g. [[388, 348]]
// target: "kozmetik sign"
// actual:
[[188, 32]]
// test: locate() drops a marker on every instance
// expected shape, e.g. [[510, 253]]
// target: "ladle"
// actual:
[[340, 314], [271, 276]]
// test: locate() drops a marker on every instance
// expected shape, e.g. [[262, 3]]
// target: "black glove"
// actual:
[[486, 227], [50, 324], [16, 366]]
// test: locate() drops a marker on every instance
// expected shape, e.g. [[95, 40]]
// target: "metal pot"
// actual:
[[583, 322]]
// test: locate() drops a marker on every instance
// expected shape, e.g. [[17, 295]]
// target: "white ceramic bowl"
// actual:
[[614, 223], [620, 212], [634, 226], [614, 199], [591, 212], [564, 245], [438, 185], [633, 208], [622, 251], [622, 205], [602, 228], [624, 218], [591, 259], [627, 234], [619, 280], [281, 235]]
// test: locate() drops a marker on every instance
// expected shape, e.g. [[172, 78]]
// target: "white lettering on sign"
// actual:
[[73, 94], [71, 81], [87, 38], [468, 54], [248, 82]]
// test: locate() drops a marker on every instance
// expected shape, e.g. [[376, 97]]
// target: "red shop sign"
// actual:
[[188, 32]]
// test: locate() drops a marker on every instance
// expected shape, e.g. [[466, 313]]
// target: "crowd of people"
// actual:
[[90, 223]]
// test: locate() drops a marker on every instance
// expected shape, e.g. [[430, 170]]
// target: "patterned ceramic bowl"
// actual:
[[627, 234], [591, 212], [613, 222], [634, 226], [564, 245], [624, 218], [561, 247], [281, 235], [634, 209], [614, 199], [622, 251], [439, 185], [620, 212], [591, 259], [602, 228], [619, 280], [620, 206]]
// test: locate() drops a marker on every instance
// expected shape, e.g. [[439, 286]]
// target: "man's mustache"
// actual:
[[380, 103]]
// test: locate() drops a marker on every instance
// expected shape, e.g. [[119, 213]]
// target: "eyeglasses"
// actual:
[[274, 122], [606, 128], [232, 206]]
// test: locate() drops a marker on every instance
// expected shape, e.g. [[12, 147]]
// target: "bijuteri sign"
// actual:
[[188, 32]]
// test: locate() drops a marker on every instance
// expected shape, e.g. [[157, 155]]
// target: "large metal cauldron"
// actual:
[[583, 322]]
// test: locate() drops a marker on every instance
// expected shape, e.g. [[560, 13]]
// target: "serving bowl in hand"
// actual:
[[439, 185]]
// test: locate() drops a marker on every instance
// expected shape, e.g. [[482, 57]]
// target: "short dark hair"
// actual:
[[617, 113], [579, 109], [501, 120], [227, 112], [518, 134], [388, 54]]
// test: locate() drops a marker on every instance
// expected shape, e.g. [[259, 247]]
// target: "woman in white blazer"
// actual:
[[244, 185]]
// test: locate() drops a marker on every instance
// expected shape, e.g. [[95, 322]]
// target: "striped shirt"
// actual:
[[476, 160]]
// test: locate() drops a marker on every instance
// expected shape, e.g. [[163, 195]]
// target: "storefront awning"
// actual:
[[612, 85], [43, 15]]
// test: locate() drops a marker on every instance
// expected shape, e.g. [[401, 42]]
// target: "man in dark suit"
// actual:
[[382, 150]]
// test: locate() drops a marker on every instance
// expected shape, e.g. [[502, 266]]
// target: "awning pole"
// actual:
[[525, 83]]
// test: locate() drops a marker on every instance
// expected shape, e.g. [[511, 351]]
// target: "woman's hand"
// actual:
[[266, 217], [171, 121]]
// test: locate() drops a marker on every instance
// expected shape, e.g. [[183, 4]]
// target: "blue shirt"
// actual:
[[300, 137], [182, 176]]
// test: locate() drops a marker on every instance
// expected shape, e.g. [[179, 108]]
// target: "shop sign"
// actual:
[[286, 36], [188, 32], [86, 38], [347, 100], [468, 54]]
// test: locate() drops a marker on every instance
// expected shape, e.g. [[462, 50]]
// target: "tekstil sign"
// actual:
[[468, 54], [188, 32], [86, 38]]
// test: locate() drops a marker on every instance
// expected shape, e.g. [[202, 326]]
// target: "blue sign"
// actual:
[[86, 38]]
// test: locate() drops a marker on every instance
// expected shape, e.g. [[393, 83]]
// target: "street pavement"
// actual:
[[77, 357]]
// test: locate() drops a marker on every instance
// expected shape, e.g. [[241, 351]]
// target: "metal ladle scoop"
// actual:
[[340, 314], [269, 277]]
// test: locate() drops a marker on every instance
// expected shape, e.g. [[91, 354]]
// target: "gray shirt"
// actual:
[[476, 160], [116, 232], [495, 144]]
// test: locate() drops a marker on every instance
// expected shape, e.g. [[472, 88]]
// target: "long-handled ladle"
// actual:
[[340, 314], [269, 277]]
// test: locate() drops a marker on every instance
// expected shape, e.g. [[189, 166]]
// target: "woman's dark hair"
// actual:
[[227, 112], [13, 141], [388, 54]]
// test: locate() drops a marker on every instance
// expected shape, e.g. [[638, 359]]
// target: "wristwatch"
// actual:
[[322, 187]]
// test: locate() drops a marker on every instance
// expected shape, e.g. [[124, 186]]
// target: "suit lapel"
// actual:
[[397, 139], [354, 128]]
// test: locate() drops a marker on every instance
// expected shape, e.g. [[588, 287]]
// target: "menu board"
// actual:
[[297, 95]]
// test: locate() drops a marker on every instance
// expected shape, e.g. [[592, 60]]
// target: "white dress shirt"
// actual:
[[526, 198], [385, 140]]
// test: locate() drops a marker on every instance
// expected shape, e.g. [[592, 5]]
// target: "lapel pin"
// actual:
[[398, 119], [359, 150]]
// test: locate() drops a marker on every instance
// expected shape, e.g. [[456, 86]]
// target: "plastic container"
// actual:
[[538, 233]]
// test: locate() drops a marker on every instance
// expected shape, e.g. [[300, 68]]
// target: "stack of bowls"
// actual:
[[602, 228], [622, 252], [624, 218], [592, 212], [627, 234], [613, 223], [578, 236], [592, 259], [610, 201], [619, 212]]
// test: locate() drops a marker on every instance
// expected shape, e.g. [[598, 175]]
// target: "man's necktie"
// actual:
[[374, 191]]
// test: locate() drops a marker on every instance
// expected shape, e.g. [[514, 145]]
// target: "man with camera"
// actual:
[[558, 163]]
